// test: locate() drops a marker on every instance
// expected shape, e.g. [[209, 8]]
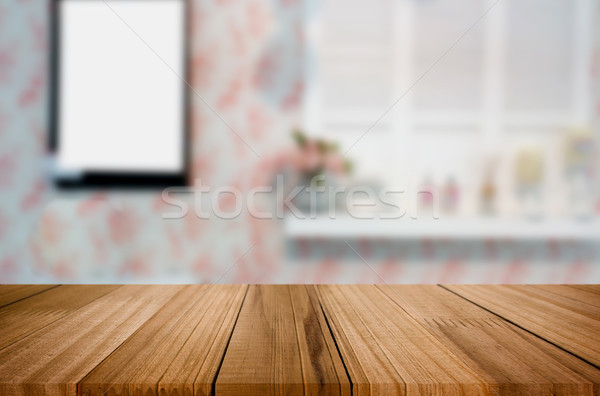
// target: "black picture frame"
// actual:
[[111, 179]]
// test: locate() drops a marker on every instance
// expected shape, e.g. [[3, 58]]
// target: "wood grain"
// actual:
[[573, 331], [587, 288], [138, 365], [281, 345], [587, 296], [505, 356], [194, 369], [582, 302], [53, 360], [302, 339], [24, 317], [387, 352], [12, 293]]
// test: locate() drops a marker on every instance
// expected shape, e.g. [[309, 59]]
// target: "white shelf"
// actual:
[[348, 227]]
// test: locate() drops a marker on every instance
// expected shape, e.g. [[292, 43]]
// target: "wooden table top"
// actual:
[[300, 339]]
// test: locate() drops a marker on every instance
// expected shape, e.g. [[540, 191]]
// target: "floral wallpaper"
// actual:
[[247, 63]]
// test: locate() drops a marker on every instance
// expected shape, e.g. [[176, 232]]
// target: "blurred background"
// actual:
[[484, 114]]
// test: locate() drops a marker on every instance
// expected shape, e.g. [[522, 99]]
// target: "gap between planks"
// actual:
[[282, 345], [10, 294], [30, 315], [575, 331], [237, 316], [73, 345], [177, 351], [524, 328], [437, 321], [473, 343]]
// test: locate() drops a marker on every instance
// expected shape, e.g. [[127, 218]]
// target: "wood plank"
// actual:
[[580, 301], [318, 352], [12, 293], [573, 331], [588, 288], [138, 365], [510, 359], [53, 360], [281, 345], [387, 352], [588, 296], [24, 317], [194, 369], [235, 339]]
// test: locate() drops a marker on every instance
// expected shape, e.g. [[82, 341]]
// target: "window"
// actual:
[[471, 87]]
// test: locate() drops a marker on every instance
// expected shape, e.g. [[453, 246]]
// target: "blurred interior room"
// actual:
[[383, 141]]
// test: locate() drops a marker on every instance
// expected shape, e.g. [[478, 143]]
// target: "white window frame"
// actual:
[[494, 121]]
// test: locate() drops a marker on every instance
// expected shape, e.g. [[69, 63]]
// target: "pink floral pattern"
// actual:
[[246, 63]]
